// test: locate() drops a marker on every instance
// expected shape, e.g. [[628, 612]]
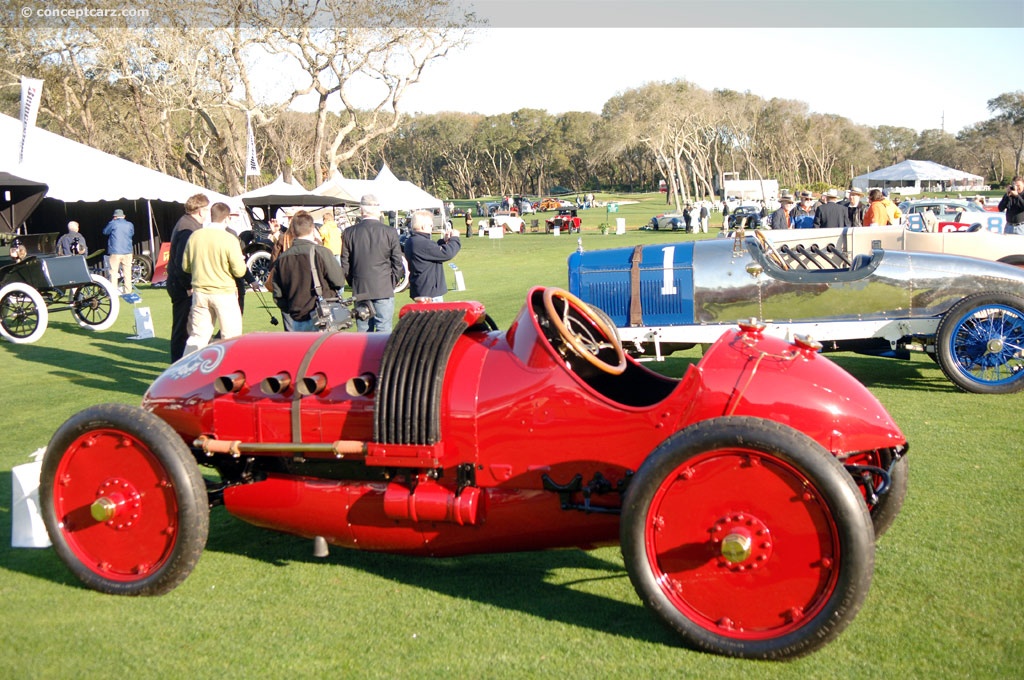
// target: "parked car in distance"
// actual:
[[669, 220], [957, 214], [751, 213], [566, 219], [509, 221], [552, 203], [844, 287]]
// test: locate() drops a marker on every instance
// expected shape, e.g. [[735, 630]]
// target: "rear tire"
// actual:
[[748, 539], [95, 305]]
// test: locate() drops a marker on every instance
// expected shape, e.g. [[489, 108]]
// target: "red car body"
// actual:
[[450, 437]]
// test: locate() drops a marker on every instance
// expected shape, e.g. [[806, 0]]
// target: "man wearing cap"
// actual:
[[855, 206], [780, 218], [831, 214], [802, 215], [371, 259], [120, 233]]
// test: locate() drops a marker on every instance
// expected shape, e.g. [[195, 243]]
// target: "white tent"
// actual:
[[76, 172], [907, 177], [277, 188], [393, 194]]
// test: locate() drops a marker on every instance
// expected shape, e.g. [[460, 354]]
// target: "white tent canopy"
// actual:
[[76, 172], [393, 194], [277, 188], [909, 175]]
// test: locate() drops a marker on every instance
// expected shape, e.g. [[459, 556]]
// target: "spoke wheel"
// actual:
[[23, 313], [258, 265], [980, 343], [123, 501], [95, 305], [588, 334], [142, 269], [748, 539]]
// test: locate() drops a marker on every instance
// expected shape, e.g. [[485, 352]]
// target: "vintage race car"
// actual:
[[746, 495], [956, 214], [669, 220], [551, 203], [850, 289]]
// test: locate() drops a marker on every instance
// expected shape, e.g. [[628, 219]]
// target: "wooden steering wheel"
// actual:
[[577, 324], [769, 248]]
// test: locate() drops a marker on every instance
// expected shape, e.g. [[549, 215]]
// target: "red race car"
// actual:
[[566, 220], [743, 494]]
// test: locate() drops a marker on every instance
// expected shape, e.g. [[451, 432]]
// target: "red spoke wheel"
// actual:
[[887, 505], [748, 539], [123, 501]]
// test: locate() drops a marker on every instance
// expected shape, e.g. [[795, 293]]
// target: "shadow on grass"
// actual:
[[514, 581], [112, 364], [919, 375]]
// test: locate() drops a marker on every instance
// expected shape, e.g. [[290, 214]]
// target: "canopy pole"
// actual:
[[152, 243]]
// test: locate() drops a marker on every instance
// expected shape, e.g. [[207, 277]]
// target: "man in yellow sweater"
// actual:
[[213, 256]]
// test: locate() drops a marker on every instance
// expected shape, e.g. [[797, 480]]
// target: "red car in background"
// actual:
[[565, 220]]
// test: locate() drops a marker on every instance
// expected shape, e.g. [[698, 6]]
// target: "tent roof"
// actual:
[[18, 198], [276, 188], [914, 170], [393, 194], [76, 172]]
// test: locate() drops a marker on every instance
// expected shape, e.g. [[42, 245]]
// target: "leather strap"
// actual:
[[636, 316]]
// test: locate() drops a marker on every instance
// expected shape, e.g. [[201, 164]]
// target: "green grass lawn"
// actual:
[[947, 600]]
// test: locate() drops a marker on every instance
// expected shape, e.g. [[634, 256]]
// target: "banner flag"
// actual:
[[252, 166], [31, 91]]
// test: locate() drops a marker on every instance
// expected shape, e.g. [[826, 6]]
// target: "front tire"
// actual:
[[123, 501], [980, 343], [95, 305], [748, 539], [23, 313]]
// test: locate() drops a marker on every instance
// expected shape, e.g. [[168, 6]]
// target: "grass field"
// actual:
[[947, 599]]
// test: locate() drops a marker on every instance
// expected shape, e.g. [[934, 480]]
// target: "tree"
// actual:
[[1009, 122], [893, 144]]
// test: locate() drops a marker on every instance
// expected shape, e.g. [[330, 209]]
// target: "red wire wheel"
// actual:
[[748, 539], [123, 501]]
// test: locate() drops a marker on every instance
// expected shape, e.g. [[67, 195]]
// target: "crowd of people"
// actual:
[[207, 277], [831, 210]]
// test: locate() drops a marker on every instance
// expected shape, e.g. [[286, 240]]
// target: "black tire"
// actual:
[[783, 595], [142, 269], [23, 313], [95, 305], [258, 263], [976, 343], [886, 506], [131, 468]]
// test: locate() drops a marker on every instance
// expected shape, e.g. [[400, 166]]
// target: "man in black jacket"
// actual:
[[1013, 205], [371, 259], [293, 277], [179, 282], [831, 213], [426, 258]]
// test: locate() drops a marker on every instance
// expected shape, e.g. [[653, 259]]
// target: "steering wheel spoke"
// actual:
[[584, 333]]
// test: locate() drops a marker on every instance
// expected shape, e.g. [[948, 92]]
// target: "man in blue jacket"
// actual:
[[120, 234], [426, 258]]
